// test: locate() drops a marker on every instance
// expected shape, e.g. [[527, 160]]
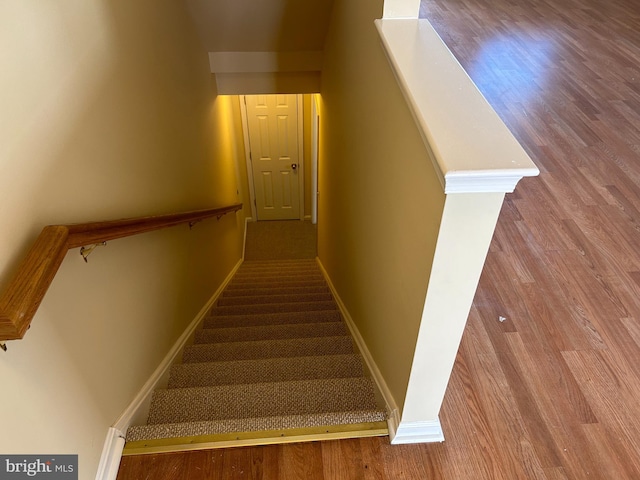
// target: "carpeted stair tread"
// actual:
[[269, 271], [264, 299], [265, 370], [243, 277], [262, 400], [285, 270], [292, 262], [297, 347], [309, 261], [266, 280], [274, 308], [314, 282], [278, 268], [270, 332], [263, 424], [276, 277], [242, 292], [280, 318]]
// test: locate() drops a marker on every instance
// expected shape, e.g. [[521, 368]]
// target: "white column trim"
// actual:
[[466, 229]]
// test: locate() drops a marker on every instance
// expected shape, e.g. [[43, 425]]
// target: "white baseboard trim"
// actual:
[[140, 403], [418, 432], [111, 455], [392, 407]]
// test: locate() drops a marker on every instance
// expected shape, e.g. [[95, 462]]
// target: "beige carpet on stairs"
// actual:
[[273, 354]]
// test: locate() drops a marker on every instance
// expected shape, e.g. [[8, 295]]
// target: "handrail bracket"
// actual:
[[86, 251]]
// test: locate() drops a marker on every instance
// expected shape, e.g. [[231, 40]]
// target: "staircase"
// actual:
[[274, 362]]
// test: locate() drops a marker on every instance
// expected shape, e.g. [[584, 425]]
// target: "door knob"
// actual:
[[294, 166]]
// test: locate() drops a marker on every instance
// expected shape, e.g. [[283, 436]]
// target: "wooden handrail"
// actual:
[[22, 297]]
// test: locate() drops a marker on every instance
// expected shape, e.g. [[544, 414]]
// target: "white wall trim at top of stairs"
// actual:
[[399, 432], [139, 406]]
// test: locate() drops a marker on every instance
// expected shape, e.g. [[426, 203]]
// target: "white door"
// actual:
[[272, 121]]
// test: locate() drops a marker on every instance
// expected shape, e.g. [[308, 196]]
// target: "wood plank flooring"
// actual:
[[553, 392]]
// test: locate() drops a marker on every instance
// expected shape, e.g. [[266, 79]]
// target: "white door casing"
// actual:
[[276, 167], [315, 133]]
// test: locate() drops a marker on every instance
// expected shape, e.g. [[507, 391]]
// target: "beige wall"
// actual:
[[380, 201], [107, 112], [267, 25]]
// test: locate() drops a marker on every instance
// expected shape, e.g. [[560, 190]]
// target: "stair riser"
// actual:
[[264, 299], [302, 347], [297, 261], [276, 284], [276, 332], [242, 272], [252, 292], [267, 281], [290, 318], [273, 308], [281, 265], [265, 370]]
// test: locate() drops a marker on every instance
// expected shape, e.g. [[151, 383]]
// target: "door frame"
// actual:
[[247, 152], [315, 134]]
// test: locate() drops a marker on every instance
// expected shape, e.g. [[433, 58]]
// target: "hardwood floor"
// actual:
[[552, 392]]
